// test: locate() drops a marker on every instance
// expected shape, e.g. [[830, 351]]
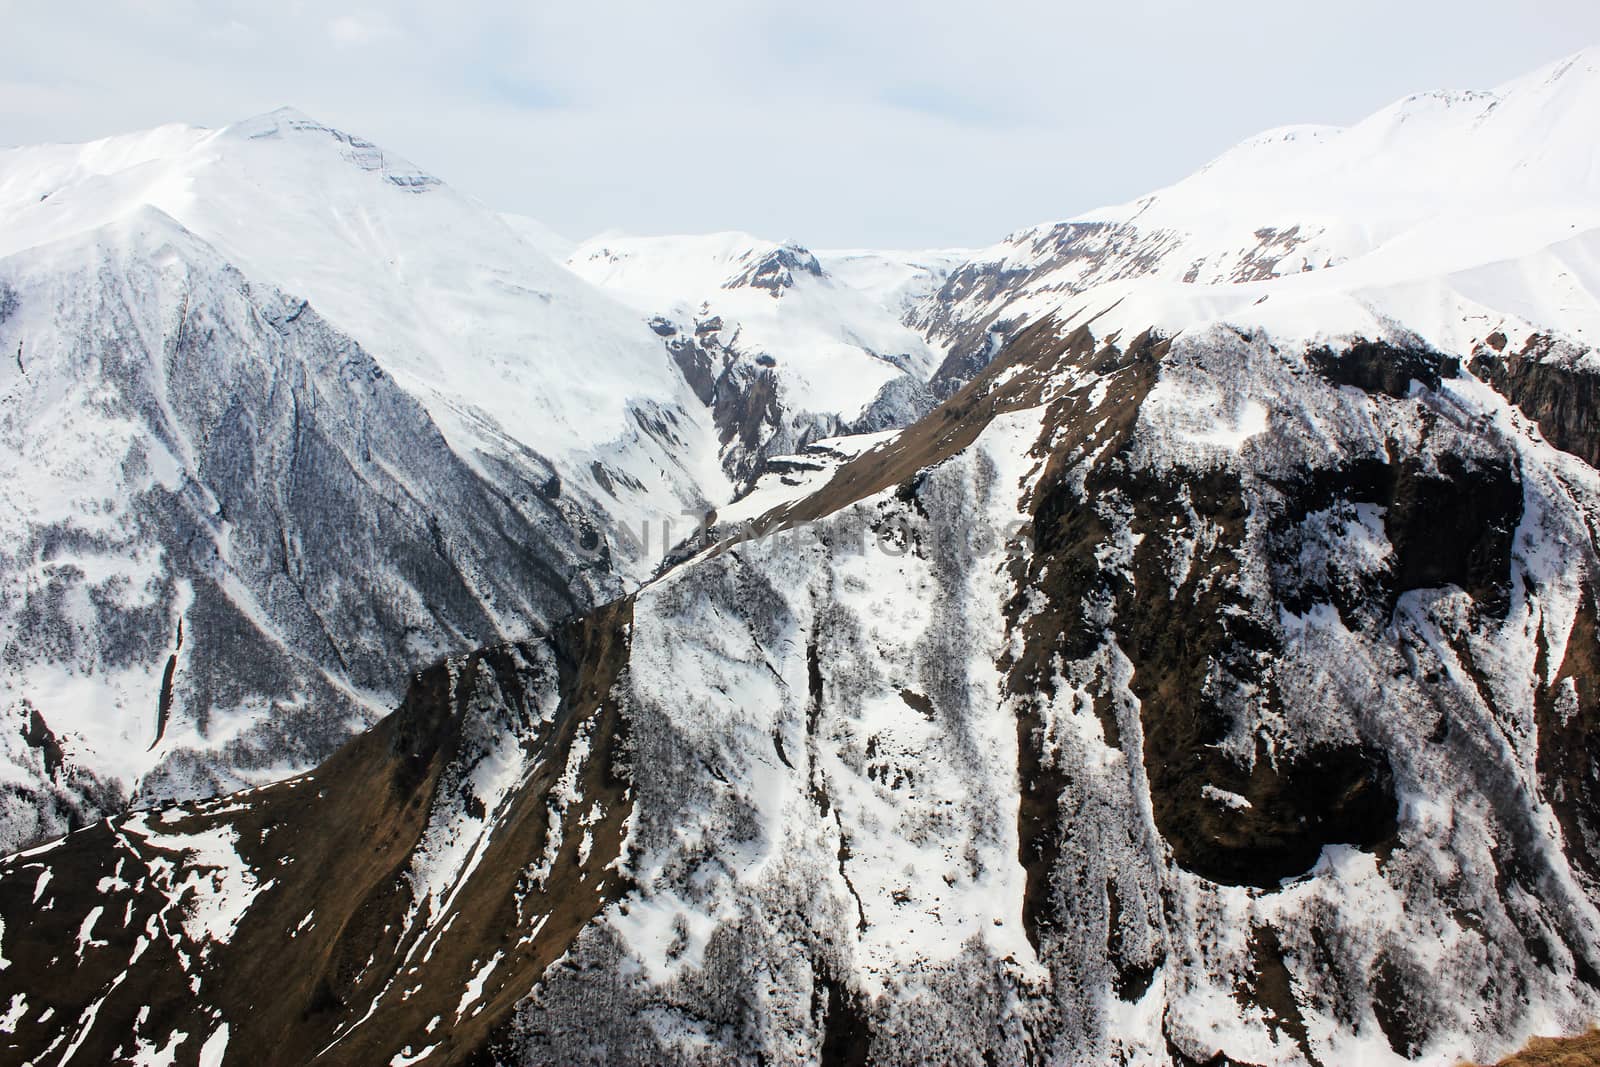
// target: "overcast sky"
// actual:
[[860, 123]]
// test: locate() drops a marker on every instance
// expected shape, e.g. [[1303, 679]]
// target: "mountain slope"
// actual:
[[782, 351], [991, 754], [1214, 677], [1437, 185], [402, 835], [234, 527], [282, 413]]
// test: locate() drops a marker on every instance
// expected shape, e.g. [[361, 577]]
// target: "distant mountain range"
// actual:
[[1167, 636]]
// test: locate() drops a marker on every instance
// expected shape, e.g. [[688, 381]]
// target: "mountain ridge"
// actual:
[[1413, 194], [1211, 676], [569, 437]]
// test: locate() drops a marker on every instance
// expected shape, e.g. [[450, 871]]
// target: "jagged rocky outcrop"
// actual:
[[1554, 383], [774, 271], [973, 312], [747, 400], [743, 395], [1151, 700]]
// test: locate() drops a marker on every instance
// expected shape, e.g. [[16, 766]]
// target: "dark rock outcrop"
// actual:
[[1552, 385], [1381, 367], [775, 270]]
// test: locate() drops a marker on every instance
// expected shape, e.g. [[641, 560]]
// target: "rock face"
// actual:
[[775, 270], [748, 402], [978, 304], [1063, 726], [1554, 383], [745, 398]]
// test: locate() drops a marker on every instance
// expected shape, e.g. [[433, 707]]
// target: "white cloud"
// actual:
[[355, 31], [235, 33]]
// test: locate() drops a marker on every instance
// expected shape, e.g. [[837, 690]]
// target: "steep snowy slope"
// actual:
[[1067, 726], [282, 415], [509, 352], [1214, 678], [1137, 733], [897, 281], [783, 351], [1436, 185], [394, 257], [225, 525]]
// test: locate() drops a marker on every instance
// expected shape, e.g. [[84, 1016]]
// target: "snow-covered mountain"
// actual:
[[781, 349], [1421, 212], [1213, 678], [546, 240], [281, 413], [508, 352], [897, 281]]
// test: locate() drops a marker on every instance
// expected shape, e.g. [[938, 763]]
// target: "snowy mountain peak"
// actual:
[[774, 270], [288, 122], [1421, 193], [1581, 65], [1426, 155], [783, 326], [1212, 678], [282, 115]]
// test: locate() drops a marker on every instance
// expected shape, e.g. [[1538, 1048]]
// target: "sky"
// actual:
[[871, 123]]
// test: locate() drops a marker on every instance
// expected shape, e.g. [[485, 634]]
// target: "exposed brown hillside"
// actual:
[[1558, 1052]]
